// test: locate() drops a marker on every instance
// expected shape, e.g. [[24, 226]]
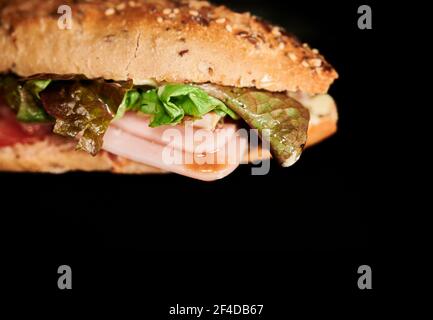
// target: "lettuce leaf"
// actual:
[[30, 109], [37, 86], [25, 99], [130, 100], [279, 119], [84, 109], [170, 103]]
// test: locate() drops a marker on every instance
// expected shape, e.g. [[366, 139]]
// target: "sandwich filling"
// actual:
[[130, 120]]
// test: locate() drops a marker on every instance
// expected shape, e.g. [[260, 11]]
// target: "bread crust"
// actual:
[[55, 154], [166, 40]]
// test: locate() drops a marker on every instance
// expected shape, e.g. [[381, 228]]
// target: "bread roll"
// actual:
[[151, 40]]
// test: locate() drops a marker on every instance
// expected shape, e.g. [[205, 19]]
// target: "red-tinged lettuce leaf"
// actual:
[[84, 109], [9, 92], [279, 118]]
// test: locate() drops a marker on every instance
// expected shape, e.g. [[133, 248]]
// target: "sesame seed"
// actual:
[[266, 79], [183, 52], [121, 6], [242, 34], [172, 15], [276, 31], [166, 11], [193, 13], [160, 20], [305, 64], [315, 62], [110, 12], [176, 11], [281, 46], [305, 45], [220, 20], [292, 56], [229, 28], [132, 4], [315, 51]]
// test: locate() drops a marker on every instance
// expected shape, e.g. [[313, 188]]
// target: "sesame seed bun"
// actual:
[[163, 40]]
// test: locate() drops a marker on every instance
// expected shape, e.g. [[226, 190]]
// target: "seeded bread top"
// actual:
[[164, 40]]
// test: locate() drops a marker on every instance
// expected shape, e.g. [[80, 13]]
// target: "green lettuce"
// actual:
[[30, 108], [130, 100], [24, 98], [169, 104], [37, 86]]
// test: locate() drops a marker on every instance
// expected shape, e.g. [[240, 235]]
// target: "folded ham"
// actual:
[[197, 139], [183, 149]]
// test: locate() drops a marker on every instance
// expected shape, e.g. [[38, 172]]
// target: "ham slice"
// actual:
[[209, 121], [194, 140], [217, 157]]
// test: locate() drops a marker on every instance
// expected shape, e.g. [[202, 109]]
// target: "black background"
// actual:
[[301, 231]]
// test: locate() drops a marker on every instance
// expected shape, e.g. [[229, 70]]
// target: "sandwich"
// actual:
[[154, 86]]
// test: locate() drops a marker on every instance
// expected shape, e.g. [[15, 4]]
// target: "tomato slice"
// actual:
[[12, 131]]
